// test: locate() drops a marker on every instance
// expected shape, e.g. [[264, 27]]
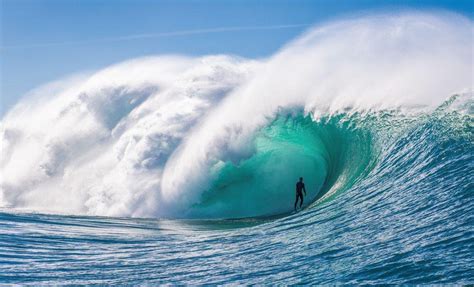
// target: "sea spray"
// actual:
[[157, 137]]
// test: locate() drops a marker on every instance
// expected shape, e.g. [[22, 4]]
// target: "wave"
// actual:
[[227, 137]]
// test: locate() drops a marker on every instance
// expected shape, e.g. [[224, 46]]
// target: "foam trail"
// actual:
[[142, 137]]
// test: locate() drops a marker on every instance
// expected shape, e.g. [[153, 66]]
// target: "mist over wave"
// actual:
[[214, 136]]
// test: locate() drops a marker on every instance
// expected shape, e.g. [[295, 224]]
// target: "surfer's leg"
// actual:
[[296, 201], [301, 196]]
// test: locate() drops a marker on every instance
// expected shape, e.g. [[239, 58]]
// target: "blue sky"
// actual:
[[42, 41]]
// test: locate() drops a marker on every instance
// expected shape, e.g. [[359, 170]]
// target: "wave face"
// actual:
[[397, 209], [289, 147], [224, 137], [376, 114]]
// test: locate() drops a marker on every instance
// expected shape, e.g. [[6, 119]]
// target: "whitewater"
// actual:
[[172, 168]]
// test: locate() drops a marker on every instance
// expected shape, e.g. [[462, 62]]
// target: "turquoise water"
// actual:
[[291, 146], [390, 200]]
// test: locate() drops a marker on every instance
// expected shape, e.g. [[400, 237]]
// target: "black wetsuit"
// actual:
[[299, 193]]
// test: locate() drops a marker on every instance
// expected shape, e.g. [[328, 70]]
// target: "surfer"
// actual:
[[299, 192]]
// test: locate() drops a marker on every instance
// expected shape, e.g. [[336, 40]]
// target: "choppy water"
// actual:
[[397, 209], [175, 169]]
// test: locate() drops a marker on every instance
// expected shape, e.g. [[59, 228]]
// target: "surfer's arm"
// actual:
[[304, 189]]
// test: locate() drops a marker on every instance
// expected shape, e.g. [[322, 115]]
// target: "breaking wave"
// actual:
[[346, 105]]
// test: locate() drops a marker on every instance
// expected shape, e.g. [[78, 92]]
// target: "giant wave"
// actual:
[[226, 137]]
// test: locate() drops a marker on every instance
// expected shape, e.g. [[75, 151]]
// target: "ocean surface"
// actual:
[[182, 170], [402, 214]]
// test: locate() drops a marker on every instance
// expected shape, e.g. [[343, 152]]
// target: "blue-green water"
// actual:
[[291, 146], [390, 200]]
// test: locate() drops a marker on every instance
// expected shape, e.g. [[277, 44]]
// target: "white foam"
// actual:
[[380, 62], [139, 138]]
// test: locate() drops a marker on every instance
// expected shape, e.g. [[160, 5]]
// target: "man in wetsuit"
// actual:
[[299, 192]]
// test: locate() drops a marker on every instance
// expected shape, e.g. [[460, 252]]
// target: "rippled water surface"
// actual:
[[409, 220], [177, 169]]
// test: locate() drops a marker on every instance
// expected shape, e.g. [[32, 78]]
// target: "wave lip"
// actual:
[[363, 65]]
